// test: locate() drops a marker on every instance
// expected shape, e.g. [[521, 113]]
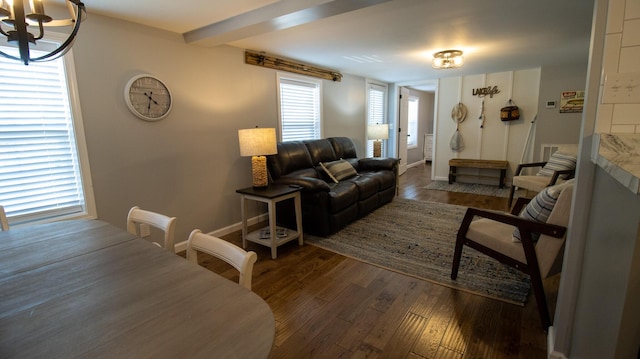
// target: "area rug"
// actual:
[[482, 189], [417, 239]]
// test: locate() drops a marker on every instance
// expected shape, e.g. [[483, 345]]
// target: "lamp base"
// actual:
[[377, 148], [259, 171]]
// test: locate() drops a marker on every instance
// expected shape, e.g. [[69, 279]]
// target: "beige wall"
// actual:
[[187, 165], [553, 127]]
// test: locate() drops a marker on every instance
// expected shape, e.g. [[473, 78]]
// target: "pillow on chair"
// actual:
[[558, 162], [540, 207], [339, 170]]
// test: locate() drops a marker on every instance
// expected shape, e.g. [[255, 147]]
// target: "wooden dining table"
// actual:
[[86, 288]]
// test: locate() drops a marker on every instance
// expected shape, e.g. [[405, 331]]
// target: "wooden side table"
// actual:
[[271, 236]]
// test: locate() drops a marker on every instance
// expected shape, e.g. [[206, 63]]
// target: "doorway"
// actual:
[[414, 143]]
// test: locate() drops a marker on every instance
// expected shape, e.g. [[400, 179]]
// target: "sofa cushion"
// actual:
[[338, 170], [320, 151], [292, 156], [367, 186], [343, 147], [342, 195], [385, 179]]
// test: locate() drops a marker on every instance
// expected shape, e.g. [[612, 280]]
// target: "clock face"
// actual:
[[148, 97]]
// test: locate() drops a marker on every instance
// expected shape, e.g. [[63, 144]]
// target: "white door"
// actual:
[[403, 123]]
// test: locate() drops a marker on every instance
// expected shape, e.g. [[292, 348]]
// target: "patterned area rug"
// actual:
[[483, 189], [418, 238]]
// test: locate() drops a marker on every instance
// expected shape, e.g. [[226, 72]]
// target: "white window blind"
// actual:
[[376, 112], [300, 117], [40, 176], [412, 131]]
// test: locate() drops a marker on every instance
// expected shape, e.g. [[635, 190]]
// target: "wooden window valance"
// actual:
[[260, 59]]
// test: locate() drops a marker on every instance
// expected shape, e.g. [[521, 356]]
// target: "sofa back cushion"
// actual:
[[320, 151], [292, 156], [343, 147]]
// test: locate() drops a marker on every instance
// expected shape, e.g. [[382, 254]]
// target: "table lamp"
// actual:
[[257, 143], [377, 133]]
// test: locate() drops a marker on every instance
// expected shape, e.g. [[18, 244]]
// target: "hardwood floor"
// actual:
[[330, 306]]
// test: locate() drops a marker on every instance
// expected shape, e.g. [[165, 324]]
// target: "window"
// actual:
[[376, 111], [412, 131], [40, 168], [299, 107]]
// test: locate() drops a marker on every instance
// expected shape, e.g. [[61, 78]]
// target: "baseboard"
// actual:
[[416, 164], [551, 352], [182, 246]]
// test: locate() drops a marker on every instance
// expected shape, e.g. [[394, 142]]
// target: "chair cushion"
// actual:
[[531, 183], [497, 236], [338, 170], [540, 207], [558, 162]]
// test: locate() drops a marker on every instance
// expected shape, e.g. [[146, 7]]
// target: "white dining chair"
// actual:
[[4, 223], [139, 218], [237, 257]]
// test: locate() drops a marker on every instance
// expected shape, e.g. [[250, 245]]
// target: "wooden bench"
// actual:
[[481, 164]]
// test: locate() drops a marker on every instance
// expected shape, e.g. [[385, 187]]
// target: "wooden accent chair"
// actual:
[[237, 257], [4, 223], [493, 235], [139, 217], [555, 171]]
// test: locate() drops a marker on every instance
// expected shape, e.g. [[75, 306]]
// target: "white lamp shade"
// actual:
[[257, 141], [378, 131]]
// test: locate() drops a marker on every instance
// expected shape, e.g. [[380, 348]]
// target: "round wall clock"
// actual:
[[148, 97]]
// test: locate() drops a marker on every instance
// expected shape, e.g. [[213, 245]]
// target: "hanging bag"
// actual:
[[510, 112], [458, 114]]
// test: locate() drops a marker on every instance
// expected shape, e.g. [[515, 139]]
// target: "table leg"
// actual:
[[452, 174], [298, 205], [503, 174], [272, 229], [243, 204]]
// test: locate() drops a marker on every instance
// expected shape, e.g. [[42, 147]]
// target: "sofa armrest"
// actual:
[[308, 184], [378, 163]]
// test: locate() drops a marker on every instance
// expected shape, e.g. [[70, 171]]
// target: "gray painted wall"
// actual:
[[553, 127], [187, 165]]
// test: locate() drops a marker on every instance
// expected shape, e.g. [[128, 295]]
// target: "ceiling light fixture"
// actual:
[[14, 17], [447, 59]]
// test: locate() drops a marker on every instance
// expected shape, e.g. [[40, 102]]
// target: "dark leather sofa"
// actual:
[[328, 206]]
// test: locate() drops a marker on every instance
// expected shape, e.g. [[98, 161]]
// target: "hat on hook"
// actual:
[[459, 112]]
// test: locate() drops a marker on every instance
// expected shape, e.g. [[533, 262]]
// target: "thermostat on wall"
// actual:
[[551, 104]]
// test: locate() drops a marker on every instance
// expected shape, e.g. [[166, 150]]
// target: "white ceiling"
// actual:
[[387, 40]]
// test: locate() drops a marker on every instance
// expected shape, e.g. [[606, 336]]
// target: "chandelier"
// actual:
[[448, 59], [15, 25]]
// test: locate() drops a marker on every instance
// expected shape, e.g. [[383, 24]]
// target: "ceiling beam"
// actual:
[[276, 16]]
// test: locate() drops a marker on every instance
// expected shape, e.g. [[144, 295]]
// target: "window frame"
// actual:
[[77, 137], [317, 83]]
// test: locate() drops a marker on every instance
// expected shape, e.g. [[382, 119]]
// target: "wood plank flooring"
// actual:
[[330, 306]]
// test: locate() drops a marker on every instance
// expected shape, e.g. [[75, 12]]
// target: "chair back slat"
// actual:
[[167, 224], [235, 256], [4, 223]]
